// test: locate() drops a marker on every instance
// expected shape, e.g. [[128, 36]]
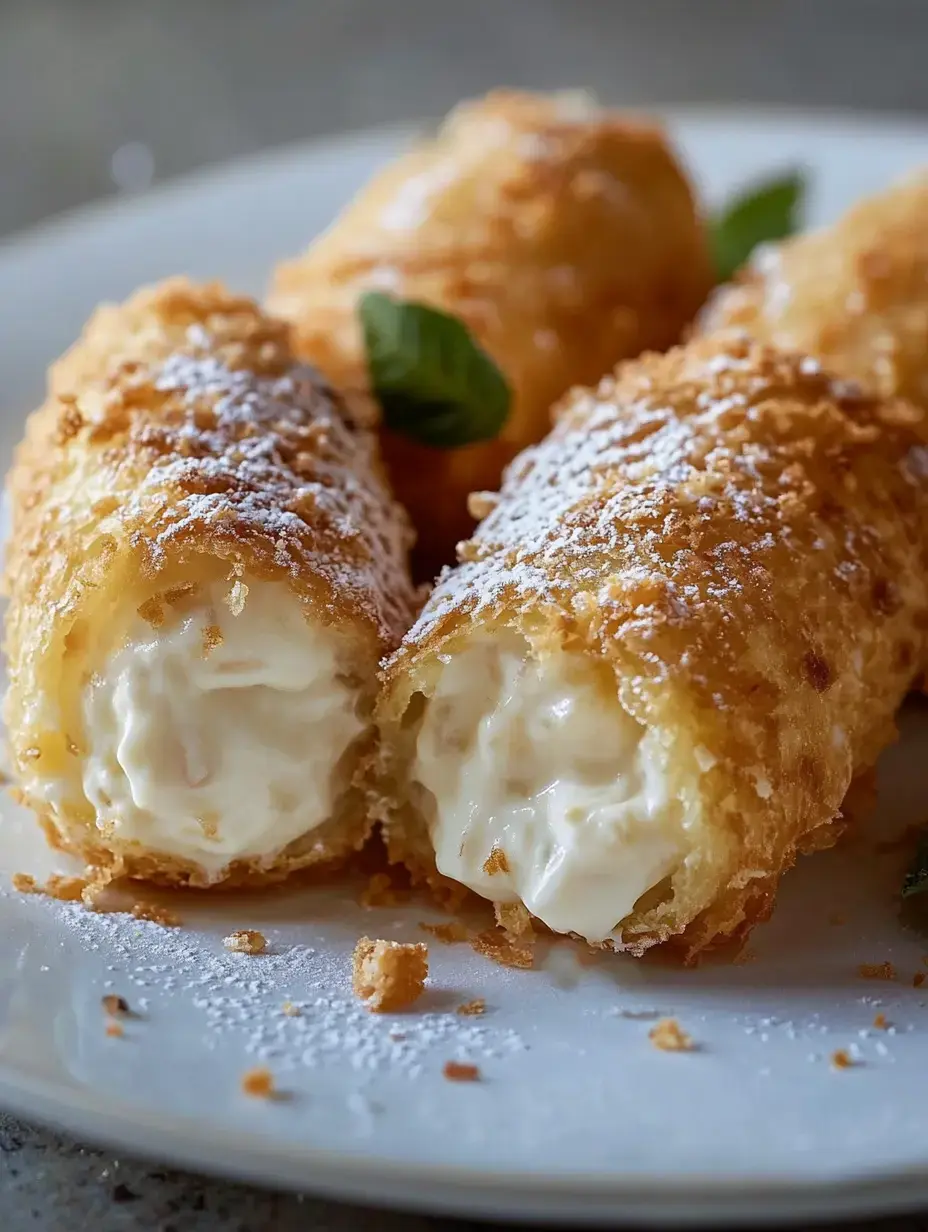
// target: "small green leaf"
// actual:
[[767, 211], [434, 382], [916, 879]]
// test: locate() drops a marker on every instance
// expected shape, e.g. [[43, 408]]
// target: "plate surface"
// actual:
[[577, 1116]]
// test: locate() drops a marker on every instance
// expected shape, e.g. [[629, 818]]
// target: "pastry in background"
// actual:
[[683, 628], [853, 295], [204, 569], [564, 236]]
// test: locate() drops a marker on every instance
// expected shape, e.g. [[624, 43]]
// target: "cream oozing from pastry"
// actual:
[[217, 736], [537, 759]]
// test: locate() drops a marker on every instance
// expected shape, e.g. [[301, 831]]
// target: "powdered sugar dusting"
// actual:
[[597, 503], [242, 1000]]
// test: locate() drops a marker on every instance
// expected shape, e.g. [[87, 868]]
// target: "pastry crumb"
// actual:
[[669, 1036], [877, 971], [258, 1083], [496, 862], [481, 504], [460, 1071], [246, 941], [25, 884], [291, 1010], [881, 1023], [212, 639], [389, 975], [447, 934], [114, 1004], [503, 950], [114, 1030], [918, 979], [841, 1059], [380, 891], [155, 914], [514, 919], [469, 1008], [65, 889]]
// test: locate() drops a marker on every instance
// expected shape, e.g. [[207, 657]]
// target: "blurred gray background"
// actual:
[[100, 93], [100, 96]]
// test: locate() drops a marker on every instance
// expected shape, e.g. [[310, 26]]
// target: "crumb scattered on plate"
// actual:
[[469, 1008], [246, 941], [114, 1004], [114, 1029], [447, 934], [669, 1036], [918, 979], [156, 914], [460, 1071], [501, 949], [291, 1010], [877, 971], [258, 1083], [389, 975], [841, 1059], [880, 1022]]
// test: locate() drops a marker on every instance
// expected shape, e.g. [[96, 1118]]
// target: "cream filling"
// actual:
[[539, 760], [217, 737]]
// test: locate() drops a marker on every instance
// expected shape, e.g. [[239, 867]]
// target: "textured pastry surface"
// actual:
[[183, 458], [855, 294], [740, 543], [565, 236]]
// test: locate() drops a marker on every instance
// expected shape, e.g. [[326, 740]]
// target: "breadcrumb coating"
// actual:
[[565, 236], [180, 443], [744, 542]]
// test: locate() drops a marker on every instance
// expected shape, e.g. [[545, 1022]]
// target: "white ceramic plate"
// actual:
[[577, 1117]]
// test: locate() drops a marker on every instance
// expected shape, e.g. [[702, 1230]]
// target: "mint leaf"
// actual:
[[766, 211], [916, 879], [433, 381]]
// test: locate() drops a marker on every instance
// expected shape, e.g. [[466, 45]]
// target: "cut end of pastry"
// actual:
[[220, 728], [531, 784]]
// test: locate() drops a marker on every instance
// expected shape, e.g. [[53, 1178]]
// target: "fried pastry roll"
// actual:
[[204, 569], [564, 236], [854, 295], [683, 629]]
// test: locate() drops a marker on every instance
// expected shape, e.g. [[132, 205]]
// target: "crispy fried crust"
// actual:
[[564, 236], [180, 444], [855, 295], [745, 542]]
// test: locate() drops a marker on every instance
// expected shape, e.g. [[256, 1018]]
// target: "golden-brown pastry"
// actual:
[[204, 568], [854, 295], [564, 236], [684, 627]]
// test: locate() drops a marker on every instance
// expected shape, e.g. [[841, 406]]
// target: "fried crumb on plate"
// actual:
[[291, 1010], [113, 1004], [389, 975], [156, 914], [881, 1022], [114, 1030], [514, 919], [669, 1036], [503, 950], [460, 1071], [841, 1059], [447, 934], [381, 891], [258, 1083], [877, 971], [57, 885], [470, 1008], [246, 941], [918, 979]]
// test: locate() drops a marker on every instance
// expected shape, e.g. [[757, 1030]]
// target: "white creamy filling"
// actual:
[[539, 760], [214, 748]]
